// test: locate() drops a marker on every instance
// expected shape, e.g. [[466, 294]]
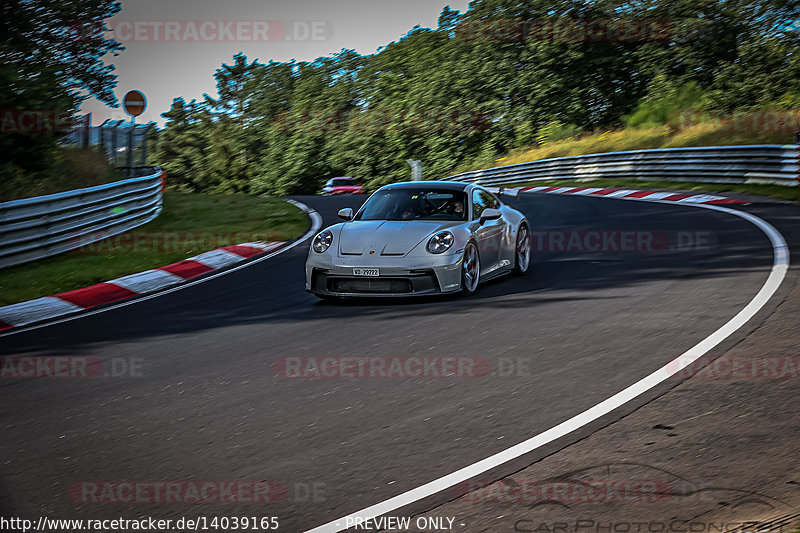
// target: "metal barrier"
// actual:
[[34, 228], [772, 164]]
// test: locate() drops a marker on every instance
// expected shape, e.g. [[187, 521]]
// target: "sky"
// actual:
[[173, 47]]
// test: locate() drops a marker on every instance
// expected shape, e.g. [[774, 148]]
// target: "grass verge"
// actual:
[[705, 134], [190, 223]]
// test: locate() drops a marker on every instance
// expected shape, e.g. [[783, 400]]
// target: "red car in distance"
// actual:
[[342, 186]]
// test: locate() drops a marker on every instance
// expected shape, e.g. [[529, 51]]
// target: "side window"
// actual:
[[490, 200], [482, 200], [478, 203]]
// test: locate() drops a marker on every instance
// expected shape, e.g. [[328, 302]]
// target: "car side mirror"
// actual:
[[490, 214], [346, 213]]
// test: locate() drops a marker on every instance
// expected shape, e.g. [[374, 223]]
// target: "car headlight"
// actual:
[[322, 241], [441, 242]]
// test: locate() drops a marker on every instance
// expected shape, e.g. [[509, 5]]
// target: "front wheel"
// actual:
[[470, 269], [522, 253]]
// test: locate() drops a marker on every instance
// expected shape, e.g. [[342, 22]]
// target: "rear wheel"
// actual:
[[522, 254], [470, 269]]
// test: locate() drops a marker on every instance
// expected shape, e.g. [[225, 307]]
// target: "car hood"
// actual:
[[385, 237]]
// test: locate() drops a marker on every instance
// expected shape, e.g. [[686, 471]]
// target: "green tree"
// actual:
[[51, 59], [482, 83]]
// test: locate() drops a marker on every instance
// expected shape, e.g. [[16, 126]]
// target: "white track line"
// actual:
[[780, 266], [316, 224]]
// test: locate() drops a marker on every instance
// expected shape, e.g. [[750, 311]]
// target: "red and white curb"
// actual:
[[149, 281], [626, 194]]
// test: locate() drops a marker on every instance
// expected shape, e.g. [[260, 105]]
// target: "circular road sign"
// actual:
[[134, 103]]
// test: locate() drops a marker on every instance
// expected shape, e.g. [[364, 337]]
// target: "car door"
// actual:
[[490, 233]]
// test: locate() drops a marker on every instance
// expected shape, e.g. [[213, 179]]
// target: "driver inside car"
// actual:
[[458, 208]]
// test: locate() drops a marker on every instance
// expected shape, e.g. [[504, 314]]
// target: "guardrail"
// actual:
[[772, 164], [34, 228]]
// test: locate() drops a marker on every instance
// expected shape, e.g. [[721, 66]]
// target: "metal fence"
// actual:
[[123, 143], [34, 228], [772, 164]]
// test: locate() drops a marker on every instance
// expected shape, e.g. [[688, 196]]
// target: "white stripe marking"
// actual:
[[632, 197], [700, 198], [658, 195], [617, 194], [217, 258], [590, 190], [261, 245], [35, 310], [780, 266], [653, 196], [147, 281]]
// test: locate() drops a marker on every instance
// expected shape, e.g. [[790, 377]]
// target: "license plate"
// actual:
[[366, 272]]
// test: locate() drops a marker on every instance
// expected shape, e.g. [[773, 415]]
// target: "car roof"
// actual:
[[435, 185]]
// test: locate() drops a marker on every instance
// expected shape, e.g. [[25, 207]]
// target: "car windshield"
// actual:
[[344, 182], [414, 204]]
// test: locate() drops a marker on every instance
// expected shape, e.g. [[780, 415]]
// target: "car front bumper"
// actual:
[[333, 276]]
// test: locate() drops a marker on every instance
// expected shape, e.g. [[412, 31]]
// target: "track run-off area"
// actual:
[[193, 384]]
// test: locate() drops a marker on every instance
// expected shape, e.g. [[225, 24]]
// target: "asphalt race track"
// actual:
[[205, 402]]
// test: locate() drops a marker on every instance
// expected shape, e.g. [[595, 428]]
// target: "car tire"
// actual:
[[470, 269], [522, 251]]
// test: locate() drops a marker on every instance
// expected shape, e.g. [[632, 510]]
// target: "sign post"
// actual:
[[134, 103]]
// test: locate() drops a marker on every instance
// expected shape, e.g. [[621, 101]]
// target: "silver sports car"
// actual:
[[416, 238]]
